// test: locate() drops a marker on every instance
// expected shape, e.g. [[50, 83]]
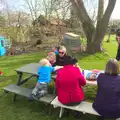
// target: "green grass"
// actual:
[[22, 109]]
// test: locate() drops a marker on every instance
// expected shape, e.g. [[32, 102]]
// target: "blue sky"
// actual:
[[18, 4]]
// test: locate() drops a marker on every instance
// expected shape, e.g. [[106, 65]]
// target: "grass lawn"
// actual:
[[22, 109]]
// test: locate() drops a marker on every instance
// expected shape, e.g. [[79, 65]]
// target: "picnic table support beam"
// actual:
[[50, 109], [25, 80], [18, 83], [61, 112]]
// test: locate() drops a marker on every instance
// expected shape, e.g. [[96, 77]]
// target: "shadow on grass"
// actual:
[[34, 109]]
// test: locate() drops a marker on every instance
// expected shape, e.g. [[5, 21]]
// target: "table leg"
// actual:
[[61, 112], [19, 78], [18, 82]]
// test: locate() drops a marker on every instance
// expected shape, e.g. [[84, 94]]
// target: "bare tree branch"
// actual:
[[100, 9]]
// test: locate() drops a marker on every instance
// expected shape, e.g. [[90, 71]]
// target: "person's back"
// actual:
[[45, 73], [68, 83], [107, 101]]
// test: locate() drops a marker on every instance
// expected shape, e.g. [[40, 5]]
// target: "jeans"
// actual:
[[40, 90]]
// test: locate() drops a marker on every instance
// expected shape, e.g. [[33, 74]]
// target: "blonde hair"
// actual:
[[112, 67], [44, 62], [63, 48]]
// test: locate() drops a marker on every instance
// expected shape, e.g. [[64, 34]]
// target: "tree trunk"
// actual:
[[94, 35], [96, 47], [109, 34]]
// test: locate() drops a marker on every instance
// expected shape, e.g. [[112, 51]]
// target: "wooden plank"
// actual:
[[85, 107], [27, 92], [31, 68]]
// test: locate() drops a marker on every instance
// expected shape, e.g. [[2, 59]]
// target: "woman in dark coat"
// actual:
[[107, 101], [62, 57]]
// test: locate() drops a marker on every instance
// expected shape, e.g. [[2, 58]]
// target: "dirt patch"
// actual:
[[30, 47]]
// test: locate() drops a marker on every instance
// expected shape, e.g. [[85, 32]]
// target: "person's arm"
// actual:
[[57, 67], [76, 65], [38, 72], [81, 78], [57, 81], [53, 69], [99, 79], [57, 60]]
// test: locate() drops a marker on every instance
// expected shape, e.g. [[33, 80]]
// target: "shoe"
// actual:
[[34, 97], [77, 114], [31, 98]]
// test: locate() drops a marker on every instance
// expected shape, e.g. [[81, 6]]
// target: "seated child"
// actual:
[[52, 58], [44, 73], [55, 50]]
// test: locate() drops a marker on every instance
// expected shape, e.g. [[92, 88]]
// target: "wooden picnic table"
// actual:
[[32, 69]]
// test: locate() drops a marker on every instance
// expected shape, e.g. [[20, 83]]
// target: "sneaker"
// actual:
[[31, 98], [34, 97]]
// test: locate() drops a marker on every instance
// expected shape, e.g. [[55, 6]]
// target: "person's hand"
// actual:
[[58, 67], [76, 65]]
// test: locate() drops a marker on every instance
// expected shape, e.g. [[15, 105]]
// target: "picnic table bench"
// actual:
[[84, 106], [26, 92], [30, 69]]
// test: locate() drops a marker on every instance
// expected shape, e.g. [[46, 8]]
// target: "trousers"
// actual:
[[40, 90]]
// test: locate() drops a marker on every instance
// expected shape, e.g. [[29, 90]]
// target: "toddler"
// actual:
[[44, 73]]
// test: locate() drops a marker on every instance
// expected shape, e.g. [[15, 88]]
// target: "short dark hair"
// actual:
[[118, 32], [70, 61]]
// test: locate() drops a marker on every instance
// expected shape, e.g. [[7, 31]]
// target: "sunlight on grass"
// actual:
[[24, 110]]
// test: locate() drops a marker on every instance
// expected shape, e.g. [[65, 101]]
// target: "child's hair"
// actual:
[[44, 62], [118, 32], [51, 54], [70, 61]]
